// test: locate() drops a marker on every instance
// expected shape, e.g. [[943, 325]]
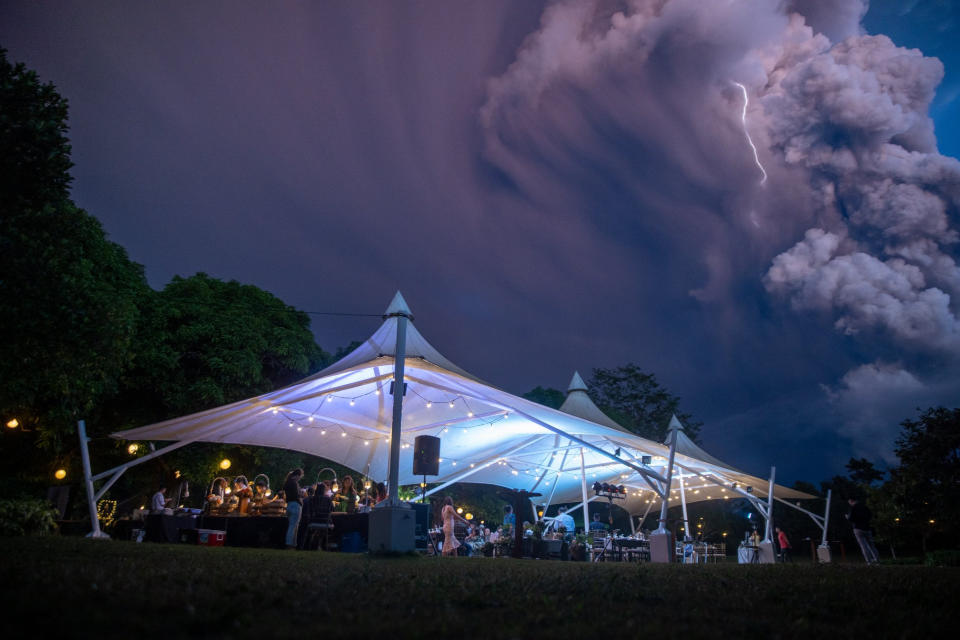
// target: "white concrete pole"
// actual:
[[399, 359], [768, 533], [88, 482]]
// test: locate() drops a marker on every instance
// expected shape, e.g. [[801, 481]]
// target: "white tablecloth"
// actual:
[[746, 555]]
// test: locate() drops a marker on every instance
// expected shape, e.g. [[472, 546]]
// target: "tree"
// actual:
[[863, 472], [924, 489], [70, 297], [546, 396], [637, 402], [204, 342]]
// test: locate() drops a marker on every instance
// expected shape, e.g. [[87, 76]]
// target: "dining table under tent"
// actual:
[[350, 413]]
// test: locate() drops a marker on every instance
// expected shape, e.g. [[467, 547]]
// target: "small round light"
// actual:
[[13, 424], [60, 474], [225, 463], [459, 509], [133, 448], [429, 404], [469, 516]]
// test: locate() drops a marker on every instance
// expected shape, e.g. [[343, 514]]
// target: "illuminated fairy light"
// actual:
[[743, 119]]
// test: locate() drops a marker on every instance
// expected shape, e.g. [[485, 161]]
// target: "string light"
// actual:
[[14, 423], [60, 474], [107, 511], [132, 449], [225, 463]]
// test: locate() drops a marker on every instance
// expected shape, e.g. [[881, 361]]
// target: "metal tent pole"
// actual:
[[683, 505], [399, 359], [88, 482], [583, 489], [769, 515], [665, 497], [826, 519]]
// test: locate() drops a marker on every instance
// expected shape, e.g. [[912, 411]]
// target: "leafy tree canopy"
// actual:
[[548, 397], [636, 400], [206, 342], [70, 297]]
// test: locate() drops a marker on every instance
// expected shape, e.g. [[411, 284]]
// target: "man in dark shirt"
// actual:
[[596, 525], [859, 516]]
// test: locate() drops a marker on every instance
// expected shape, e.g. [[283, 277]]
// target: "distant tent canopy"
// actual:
[[343, 413]]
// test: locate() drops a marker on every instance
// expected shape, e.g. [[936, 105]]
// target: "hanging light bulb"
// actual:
[[299, 428], [451, 404], [352, 403], [429, 404], [470, 414], [132, 449], [13, 424], [60, 474]]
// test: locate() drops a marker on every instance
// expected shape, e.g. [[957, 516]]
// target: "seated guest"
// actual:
[[160, 500], [381, 492], [564, 520], [596, 525]]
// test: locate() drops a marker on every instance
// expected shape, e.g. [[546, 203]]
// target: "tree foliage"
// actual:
[[70, 297], [548, 396], [636, 401]]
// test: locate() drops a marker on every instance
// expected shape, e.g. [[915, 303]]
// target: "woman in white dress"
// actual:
[[449, 516]]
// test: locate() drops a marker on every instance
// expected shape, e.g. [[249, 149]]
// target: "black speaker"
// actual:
[[426, 456]]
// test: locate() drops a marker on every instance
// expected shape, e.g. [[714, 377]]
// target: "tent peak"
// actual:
[[398, 307], [576, 383], [675, 424]]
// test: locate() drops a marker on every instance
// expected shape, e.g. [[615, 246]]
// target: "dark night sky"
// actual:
[[555, 187]]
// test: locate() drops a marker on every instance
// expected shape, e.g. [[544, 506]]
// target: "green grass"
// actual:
[[68, 588]]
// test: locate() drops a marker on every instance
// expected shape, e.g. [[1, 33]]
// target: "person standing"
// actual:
[[291, 493], [509, 517], [859, 516], [449, 516], [784, 545]]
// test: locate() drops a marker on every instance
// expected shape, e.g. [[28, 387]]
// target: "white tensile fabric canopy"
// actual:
[[343, 413]]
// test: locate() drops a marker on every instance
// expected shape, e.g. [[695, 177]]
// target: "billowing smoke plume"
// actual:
[[857, 224]]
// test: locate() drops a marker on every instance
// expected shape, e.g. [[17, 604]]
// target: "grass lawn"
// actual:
[[70, 587]]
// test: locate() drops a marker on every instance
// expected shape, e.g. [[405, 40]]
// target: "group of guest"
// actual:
[[307, 504]]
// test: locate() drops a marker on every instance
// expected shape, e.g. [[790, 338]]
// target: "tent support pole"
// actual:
[[683, 504], [399, 359], [826, 519], [583, 490], [768, 531], [645, 514], [665, 497], [88, 482]]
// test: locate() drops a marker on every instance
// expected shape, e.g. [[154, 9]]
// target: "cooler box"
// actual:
[[203, 537], [211, 537]]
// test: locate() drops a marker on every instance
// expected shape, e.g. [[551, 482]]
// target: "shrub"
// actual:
[[943, 558], [27, 516]]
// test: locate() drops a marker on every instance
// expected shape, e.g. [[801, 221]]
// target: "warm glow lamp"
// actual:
[[13, 424], [132, 449], [225, 463], [60, 474]]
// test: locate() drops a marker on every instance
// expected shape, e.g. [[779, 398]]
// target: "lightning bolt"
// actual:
[[743, 119]]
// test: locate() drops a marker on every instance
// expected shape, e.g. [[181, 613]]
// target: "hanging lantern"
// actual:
[[60, 474]]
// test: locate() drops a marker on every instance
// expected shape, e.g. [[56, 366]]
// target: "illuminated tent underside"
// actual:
[[488, 436]]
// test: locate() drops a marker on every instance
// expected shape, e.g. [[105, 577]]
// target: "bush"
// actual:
[[27, 517], [943, 558]]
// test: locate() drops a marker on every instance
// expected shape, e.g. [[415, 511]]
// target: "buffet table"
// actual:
[[249, 531]]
